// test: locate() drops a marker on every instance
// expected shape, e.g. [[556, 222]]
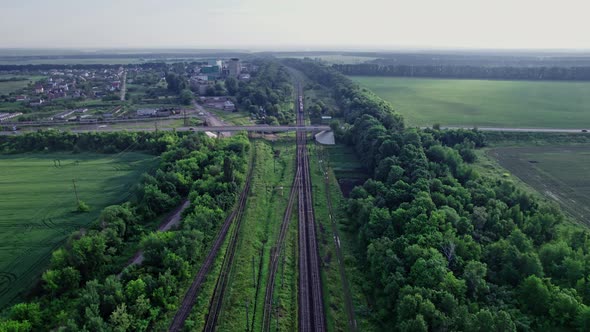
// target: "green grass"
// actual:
[[235, 118], [355, 277], [38, 206], [7, 87], [72, 61], [559, 173], [259, 230], [424, 102], [333, 58]]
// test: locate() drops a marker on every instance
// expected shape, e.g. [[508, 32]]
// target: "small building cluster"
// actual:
[[73, 83], [6, 116], [155, 112], [206, 74], [222, 103]]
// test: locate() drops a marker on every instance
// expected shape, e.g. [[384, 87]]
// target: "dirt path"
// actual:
[[171, 220]]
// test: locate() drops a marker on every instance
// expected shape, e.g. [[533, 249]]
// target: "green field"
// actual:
[[7, 87], [72, 61], [38, 206], [449, 102], [560, 173], [340, 59]]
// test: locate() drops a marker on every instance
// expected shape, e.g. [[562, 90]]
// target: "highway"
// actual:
[[516, 129], [217, 129]]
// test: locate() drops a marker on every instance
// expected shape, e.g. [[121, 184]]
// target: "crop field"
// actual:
[[72, 61], [7, 87], [340, 59], [38, 205], [424, 102], [560, 173]]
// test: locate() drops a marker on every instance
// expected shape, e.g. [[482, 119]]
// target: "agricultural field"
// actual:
[[339, 59], [39, 206], [454, 102], [7, 86], [71, 61], [559, 172]]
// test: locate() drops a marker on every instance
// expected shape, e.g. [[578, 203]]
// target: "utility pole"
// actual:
[[247, 318], [253, 273], [185, 119], [277, 307], [76, 192]]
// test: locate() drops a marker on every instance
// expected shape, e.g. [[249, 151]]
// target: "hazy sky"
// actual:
[[288, 23]]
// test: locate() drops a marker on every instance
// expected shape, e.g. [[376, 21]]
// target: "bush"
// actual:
[[83, 207]]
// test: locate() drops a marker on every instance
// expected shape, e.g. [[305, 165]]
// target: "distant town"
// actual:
[[95, 93]]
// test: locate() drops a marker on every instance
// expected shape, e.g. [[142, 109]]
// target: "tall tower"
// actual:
[[235, 67]]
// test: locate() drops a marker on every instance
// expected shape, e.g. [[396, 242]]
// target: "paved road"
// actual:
[[212, 120], [253, 128], [124, 85], [519, 130]]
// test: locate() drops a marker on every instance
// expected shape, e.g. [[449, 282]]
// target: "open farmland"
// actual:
[[558, 172], [38, 206], [7, 86], [423, 102]]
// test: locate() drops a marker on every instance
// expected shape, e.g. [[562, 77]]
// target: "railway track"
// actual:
[[190, 296], [219, 292], [276, 254], [311, 306]]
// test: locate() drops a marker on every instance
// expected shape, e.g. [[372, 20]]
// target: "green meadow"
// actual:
[[38, 206], [455, 102]]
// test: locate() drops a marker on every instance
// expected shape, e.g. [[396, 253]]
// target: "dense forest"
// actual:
[[268, 95], [87, 287], [444, 248], [469, 72]]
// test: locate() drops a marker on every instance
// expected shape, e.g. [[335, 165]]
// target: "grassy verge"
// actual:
[[236, 118], [198, 316], [340, 163]]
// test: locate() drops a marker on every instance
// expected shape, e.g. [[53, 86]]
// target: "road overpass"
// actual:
[[216, 129]]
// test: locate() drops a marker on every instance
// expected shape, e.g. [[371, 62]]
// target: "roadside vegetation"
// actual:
[[443, 247]]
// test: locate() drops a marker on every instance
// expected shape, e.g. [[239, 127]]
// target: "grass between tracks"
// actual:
[[259, 231]]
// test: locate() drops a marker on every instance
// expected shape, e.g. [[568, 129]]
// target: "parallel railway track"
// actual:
[[191, 295], [311, 306]]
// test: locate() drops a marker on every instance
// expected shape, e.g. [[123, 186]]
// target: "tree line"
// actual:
[[86, 287], [268, 95], [468, 72], [443, 247]]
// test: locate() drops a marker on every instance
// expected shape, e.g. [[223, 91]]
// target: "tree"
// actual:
[[83, 207], [186, 96], [231, 84], [535, 296]]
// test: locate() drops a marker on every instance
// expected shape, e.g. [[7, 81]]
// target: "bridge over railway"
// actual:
[[216, 129]]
